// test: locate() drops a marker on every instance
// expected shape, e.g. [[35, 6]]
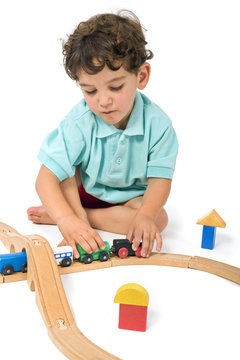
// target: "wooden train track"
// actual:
[[43, 277]]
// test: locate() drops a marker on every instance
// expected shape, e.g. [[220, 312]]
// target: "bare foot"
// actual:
[[38, 215]]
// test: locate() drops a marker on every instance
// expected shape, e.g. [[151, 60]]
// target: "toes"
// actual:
[[38, 215], [33, 215], [30, 211], [35, 219]]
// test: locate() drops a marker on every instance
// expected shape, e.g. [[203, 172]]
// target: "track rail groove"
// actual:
[[43, 277]]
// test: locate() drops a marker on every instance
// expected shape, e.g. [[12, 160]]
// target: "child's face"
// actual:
[[110, 94]]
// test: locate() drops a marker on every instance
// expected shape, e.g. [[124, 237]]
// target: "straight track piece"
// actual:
[[154, 259]]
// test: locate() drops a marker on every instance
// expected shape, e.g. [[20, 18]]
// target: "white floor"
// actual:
[[190, 312], [195, 79]]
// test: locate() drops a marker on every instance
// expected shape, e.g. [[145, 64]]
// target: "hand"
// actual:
[[77, 231], [144, 228]]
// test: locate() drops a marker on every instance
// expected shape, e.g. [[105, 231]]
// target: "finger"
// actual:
[[99, 241], [145, 244], [63, 243], [151, 243], [76, 254], [137, 238], [130, 235], [73, 245], [91, 242], [84, 244], [159, 241]]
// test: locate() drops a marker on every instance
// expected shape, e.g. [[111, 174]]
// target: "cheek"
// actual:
[[91, 104], [126, 101]]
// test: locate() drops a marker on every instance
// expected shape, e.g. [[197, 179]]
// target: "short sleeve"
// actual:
[[162, 154], [61, 150]]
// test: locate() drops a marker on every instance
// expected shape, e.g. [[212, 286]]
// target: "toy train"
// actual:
[[120, 247], [9, 263], [14, 262]]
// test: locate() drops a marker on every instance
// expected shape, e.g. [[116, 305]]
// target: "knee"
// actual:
[[162, 219]]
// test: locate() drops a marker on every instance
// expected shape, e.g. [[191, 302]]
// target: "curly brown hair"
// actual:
[[106, 39]]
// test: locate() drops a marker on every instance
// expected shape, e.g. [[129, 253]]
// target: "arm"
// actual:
[[155, 196], [61, 202], [144, 224], [69, 189]]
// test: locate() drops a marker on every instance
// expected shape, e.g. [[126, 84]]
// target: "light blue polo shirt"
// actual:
[[114, 164]]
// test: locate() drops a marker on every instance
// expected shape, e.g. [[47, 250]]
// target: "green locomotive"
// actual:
[[102, 255]]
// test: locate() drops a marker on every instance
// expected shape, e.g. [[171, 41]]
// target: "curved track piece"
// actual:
[[215, 267], [11, 239], [44, 276]]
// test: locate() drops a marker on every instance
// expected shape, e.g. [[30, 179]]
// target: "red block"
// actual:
[[132, 317]]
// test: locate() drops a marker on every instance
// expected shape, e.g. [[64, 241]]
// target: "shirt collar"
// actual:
[[134, 125]]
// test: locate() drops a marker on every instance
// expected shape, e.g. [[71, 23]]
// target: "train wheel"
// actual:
[[138, 252], [24, 268], [66, 262], [8, 270], [123, 253], [103, 256], [88, 259]]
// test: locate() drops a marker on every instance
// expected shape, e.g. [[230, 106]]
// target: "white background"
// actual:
[[196, 80]]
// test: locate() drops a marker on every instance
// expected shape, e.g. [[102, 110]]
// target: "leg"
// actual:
[[38, 214], [117, 219]]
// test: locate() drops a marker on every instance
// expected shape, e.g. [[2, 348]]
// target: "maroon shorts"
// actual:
[[90, 202]]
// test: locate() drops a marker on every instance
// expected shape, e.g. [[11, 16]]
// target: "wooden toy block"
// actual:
[[210, 221], [132, 317], [132, 294], [133, 300], [208, 237]]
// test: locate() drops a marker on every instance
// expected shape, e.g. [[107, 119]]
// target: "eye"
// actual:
[[91, 92], [116, 88]]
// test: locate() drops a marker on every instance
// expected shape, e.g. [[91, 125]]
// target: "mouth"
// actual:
[[108, 112]]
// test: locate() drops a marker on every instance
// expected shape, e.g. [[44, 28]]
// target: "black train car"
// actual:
[[123, 248]]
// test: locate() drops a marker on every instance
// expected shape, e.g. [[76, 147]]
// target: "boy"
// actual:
[[116, 149]]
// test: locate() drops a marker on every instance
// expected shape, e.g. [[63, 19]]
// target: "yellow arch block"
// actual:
[[132, 294]]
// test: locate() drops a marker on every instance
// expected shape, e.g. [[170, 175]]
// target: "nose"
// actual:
[[104, 100]]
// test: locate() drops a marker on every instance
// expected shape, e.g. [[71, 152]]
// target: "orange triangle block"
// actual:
[[212, 219]]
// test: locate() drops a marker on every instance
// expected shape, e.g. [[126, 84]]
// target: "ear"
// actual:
[[143, 75]]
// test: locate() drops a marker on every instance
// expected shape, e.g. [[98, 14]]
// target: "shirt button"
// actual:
[[119, 160]]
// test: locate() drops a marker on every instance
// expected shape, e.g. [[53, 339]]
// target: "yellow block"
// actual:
[[212, 219], [132, 294]]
